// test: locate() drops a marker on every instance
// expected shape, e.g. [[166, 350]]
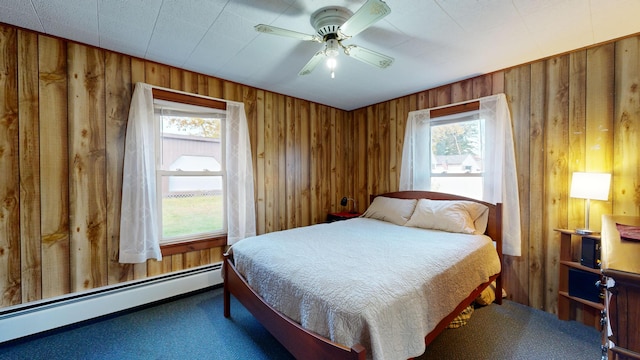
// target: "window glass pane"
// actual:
[[191, 144], [457, 147], [192, 205], [464, 186]]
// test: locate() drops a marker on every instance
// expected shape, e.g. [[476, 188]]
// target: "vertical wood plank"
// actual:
[[261, 206], [440, 96], [482, 86], [348, 163], [394, 157], [177, 262], [626, 164], [87, 188], [402, 125], [518, 85], [10, 281], [137, 75], [422, 100], [324, 160], [497, 82], [54, 166], [290, 163], [214, 87], [303, 137], [281, 198], [556, 145], [251, 109], [373, 152], [335, 147], [577, 131], [29, 150], [176, 77], [159, 75], [462, 91], [599, 120], [118, 92], [537, 237], [271, 166], [382, 118], [362, 168], [316, 165]]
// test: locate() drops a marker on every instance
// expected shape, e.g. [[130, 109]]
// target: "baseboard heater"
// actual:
[[38, 316]]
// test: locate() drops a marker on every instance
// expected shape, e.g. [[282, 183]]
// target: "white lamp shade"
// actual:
[[594, 186]]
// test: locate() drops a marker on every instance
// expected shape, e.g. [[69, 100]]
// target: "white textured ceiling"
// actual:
[[434, 42]]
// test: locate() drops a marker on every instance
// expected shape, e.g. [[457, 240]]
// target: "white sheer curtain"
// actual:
[[139, 232], [500, 182], [241, 207]]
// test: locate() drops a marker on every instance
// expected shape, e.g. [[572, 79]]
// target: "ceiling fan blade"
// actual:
[[369, 13], [369, 56], [315, 60], [268, 29]]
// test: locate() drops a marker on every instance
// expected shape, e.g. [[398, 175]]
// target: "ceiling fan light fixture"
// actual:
[[331, 64], [333, 48]]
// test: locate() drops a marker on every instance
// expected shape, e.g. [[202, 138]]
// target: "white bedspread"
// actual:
[[367, 281]]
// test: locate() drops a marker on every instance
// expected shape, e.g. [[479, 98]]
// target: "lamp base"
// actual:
[[584, 231]]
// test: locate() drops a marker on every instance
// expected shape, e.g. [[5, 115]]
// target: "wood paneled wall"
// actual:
[[63, 114], [574, 112]]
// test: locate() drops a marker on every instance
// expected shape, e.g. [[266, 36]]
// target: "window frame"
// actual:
[[205, 243]]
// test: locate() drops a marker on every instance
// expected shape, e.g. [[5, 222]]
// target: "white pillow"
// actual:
[[393, 210], [449, 215], [480, 215]]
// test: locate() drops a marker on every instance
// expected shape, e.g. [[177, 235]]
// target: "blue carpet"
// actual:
[[193, 327], [189, 328]]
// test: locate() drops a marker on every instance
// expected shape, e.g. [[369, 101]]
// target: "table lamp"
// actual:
[[589, 186], [345, 201]]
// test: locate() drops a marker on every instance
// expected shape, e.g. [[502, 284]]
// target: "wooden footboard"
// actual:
[[300, 342]]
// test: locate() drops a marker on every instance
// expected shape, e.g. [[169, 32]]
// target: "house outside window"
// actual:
[[457, 154], [190, 169]]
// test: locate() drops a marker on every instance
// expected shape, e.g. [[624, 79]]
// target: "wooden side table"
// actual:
[[331, 217], [569, 304]]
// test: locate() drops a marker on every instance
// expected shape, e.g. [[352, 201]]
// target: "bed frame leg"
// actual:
[[499, 290], [226, 294]]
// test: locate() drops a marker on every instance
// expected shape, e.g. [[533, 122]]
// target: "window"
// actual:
[[227, 176], [457, 153], [479, 132], [190, 171]]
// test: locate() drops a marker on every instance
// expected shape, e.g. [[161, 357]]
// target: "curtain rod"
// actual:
[[456, 104], [191, 94]]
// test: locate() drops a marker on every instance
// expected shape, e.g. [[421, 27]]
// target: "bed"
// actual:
[[381, 286]]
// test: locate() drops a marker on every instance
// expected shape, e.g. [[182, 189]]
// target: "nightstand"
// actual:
[[577, 289], [331, 217]]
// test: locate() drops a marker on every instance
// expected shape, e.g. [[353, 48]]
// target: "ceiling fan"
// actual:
[[333, 24]]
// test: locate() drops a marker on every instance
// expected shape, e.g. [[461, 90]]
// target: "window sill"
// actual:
[[193, 245]]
